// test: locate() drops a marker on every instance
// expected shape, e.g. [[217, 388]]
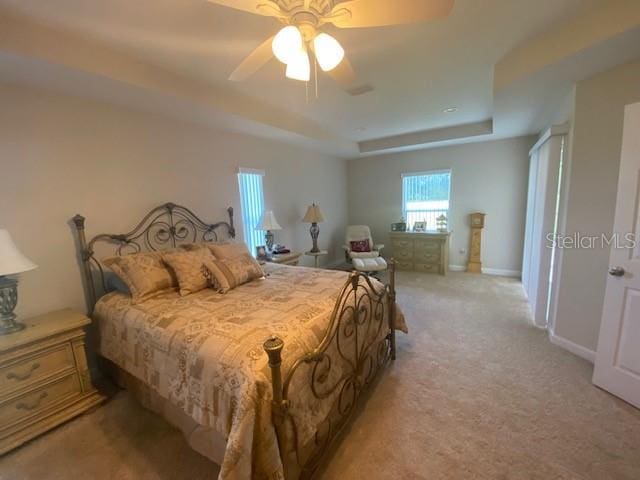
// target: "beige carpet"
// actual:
[[476, 393]]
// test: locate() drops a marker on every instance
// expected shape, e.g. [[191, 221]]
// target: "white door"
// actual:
[[617, 366], [540, 221]]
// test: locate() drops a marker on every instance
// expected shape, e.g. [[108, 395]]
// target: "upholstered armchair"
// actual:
[[360, 249], [359, 244]]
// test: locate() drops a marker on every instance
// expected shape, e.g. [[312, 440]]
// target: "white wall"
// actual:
[[61, 155], [589, 201], [489, 177]]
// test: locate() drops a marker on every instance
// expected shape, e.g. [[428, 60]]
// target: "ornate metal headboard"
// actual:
[[164, 227]]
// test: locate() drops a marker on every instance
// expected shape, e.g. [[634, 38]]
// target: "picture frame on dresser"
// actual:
[[420, 226]]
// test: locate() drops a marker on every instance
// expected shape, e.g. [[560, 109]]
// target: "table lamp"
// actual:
[[268, 223], [314, 216], [11, 263]]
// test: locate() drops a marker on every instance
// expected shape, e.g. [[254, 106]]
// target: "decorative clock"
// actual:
[[477, 224]]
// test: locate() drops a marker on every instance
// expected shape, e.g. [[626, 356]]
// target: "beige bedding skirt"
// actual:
[[204, 440]]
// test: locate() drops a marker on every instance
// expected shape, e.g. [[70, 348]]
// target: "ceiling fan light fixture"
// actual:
[[299, 67], [329, 52], [287, 44]]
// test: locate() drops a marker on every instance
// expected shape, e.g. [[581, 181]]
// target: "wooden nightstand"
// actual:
[[44, 377], [286, 258]]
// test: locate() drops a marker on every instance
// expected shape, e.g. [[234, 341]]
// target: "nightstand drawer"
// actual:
[[37, 366], [34, 402]]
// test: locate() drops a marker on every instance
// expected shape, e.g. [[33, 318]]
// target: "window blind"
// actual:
[[425, 196], [252, 205]]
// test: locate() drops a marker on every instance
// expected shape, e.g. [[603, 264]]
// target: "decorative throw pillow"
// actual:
[[360, 246], [144, 273], [228, 250], [187, 266], [225, 274]]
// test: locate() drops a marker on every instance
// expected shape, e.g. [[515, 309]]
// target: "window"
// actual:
[[425, 196], [252, 205]]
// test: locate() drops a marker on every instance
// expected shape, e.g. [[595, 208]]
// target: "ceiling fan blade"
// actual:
[[343, 74], [254, 62], [250, 6], [378, 13]]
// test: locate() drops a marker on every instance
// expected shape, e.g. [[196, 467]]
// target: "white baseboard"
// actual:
[[489, 271], [502, 272], [574, 348]]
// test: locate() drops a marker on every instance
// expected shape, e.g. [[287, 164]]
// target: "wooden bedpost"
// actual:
[[273, 346], [392, 307], [78, 221]]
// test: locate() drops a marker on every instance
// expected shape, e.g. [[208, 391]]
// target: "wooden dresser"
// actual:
[[422, 252], [44, 377]]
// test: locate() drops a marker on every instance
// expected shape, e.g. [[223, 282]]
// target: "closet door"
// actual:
[[541, 212], [528, 234]]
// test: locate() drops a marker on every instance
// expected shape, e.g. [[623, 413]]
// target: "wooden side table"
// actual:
[[291, 259], [316, 256], [44, 377]]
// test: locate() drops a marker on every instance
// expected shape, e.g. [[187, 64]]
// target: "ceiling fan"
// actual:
[[302, 33]]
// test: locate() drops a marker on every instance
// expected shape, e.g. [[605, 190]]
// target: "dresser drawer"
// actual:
[[428, 245], [403, 255], [427, 257], [34, 402], [399, 244], [37, 366], [404, 265], [427, 267]]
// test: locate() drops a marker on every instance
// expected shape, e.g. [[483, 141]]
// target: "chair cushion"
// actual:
[[372, 254], [376, 264]]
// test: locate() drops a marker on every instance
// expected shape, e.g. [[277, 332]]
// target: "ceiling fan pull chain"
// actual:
[[315, 68]]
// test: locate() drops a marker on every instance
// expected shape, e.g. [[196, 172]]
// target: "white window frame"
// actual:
[[422, 173]]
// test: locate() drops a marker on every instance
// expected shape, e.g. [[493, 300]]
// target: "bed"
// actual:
[[261, 379]]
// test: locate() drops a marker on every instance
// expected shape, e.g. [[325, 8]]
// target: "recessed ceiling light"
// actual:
[[450, 110]]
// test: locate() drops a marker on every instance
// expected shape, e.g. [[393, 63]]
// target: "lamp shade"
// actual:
[[328, 52], [299, 67], [11, 260], [268, 222], [287, 44], [313, 215]]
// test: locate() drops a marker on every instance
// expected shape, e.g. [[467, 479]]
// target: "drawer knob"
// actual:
[[34, 404], [25, 375]]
